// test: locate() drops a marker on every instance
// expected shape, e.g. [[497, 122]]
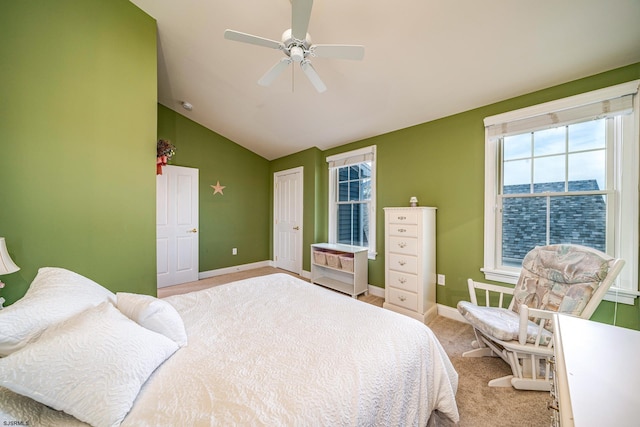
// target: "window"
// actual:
[[352, 198], [553, 189], [564, 172]]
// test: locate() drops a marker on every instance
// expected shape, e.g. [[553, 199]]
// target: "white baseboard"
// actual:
[[450, 313], [376, 291], [234, 269]]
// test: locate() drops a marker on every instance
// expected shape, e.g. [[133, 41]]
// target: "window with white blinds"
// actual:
[[352, 177], [564, 172]]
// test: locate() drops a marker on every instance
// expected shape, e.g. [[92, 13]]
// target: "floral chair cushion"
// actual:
[[560, 278], [500, 323]]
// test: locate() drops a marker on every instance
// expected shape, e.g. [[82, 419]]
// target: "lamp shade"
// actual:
[[6, 263]]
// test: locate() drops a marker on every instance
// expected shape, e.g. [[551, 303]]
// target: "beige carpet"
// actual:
[[479, 405]]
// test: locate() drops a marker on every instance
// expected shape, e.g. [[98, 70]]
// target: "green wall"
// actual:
[[442, 163], [238, 218], [78, 136]]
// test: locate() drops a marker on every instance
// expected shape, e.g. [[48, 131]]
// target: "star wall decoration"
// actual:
[[218, 188]]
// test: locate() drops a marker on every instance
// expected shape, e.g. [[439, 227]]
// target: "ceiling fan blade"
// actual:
[[251, 39], [313, 76], [274, 72], [300, 15], [339, 51]]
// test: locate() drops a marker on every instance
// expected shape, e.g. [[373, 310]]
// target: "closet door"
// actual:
[[177, 225], [287, 215]]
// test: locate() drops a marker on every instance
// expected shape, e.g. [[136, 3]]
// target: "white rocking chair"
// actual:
[[568, 279]]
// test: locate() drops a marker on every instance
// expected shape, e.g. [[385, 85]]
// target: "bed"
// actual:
[[272, 350]]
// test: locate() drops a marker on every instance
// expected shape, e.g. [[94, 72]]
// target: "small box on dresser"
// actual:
[[410, 261]]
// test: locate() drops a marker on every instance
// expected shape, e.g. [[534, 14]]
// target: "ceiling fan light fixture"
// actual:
[[297, 54]]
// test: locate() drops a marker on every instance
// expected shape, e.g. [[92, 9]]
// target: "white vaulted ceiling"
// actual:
[[424, 59]]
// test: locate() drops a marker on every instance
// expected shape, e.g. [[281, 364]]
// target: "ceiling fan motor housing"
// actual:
[[296, 49]]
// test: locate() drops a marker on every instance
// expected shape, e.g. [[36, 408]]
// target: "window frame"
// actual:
[[626, 196], [349, 158]]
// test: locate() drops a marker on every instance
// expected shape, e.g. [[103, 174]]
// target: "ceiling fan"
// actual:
[[296, 45]]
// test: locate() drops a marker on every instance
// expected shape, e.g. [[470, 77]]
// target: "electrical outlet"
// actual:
[[234, 251], [441, 279]]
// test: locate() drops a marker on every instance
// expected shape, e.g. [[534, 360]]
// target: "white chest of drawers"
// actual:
[[410, 261]]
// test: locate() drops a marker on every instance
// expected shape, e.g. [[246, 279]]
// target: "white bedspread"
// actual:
[[279, 351]]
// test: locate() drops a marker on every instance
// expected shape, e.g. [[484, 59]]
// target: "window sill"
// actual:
[[502, 276], [622, 296]]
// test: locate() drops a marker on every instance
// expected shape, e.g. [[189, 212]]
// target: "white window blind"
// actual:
[[597, 110], [352, 157], [610, 102]]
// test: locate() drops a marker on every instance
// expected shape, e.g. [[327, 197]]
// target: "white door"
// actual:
[[287, 202], [177, 225]]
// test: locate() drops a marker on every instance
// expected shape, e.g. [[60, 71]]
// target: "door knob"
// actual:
[[195, 230], [296, 228]]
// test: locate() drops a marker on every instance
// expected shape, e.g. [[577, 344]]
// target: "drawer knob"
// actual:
[[402, 230], [402, 218], [402, 297], [402, 244], [402, 262], [402, 280]]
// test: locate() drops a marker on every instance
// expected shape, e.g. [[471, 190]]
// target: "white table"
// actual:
[[597, 380]]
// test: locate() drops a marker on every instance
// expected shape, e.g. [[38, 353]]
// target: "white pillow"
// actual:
[[91, 366], [55, 295], [154, 314]]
